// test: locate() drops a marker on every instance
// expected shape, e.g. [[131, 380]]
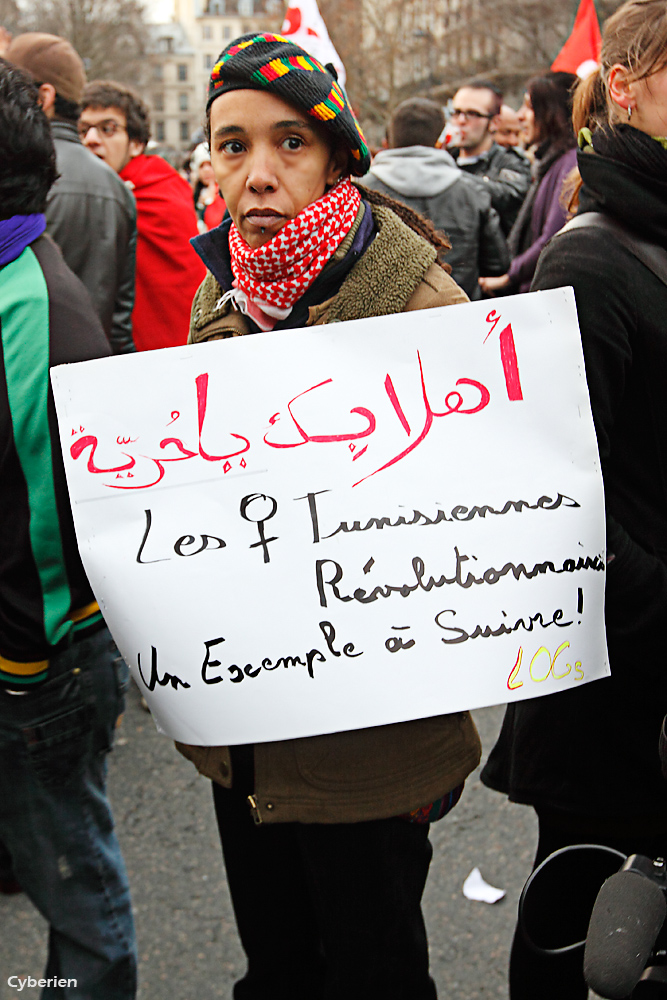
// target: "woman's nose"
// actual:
[[261, 172]]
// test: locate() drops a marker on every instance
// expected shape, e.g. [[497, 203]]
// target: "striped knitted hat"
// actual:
[[273, 63]]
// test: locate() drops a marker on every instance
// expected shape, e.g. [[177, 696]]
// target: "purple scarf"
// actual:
[[16, 233]]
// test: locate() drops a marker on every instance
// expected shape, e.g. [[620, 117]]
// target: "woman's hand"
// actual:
[[493, 285]]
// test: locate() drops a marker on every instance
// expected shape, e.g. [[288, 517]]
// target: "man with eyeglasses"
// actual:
[[114, 126], [90, 213], [506, 172]]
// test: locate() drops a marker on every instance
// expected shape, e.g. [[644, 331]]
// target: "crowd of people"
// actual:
[[106, 249]]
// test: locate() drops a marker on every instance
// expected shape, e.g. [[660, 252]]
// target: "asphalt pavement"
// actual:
[[188, 948]]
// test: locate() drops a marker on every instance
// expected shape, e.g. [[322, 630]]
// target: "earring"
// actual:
[[629, 112]]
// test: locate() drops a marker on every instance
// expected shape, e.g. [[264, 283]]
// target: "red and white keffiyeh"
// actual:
[[270, 279]]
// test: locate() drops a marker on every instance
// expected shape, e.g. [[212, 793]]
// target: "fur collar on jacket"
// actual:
[[381, 282]]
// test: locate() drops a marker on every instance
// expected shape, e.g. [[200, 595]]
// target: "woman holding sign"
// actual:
[[587, 760], [325, 839]]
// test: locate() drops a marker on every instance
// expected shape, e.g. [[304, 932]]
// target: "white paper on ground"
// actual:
[[476, 888]]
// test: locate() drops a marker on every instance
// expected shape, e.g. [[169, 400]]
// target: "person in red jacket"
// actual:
[[114, 126]]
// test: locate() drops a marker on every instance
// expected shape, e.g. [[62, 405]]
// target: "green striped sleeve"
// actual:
[[24, 319]]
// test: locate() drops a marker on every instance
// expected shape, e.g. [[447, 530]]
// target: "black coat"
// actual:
[[428, 181], [593, 750], [92, 217], [506, 174]]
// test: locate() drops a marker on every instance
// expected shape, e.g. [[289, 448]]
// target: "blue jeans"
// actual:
[[56, 821]]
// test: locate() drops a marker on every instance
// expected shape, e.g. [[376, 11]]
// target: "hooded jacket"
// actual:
[[168, 270], [429, 182], [388, 770], [594, 750]]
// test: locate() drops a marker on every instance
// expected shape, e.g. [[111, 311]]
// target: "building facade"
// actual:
[[183, 54], [171, 94]]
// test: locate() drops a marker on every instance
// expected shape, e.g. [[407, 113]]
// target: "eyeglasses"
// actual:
[[469, 115], [107, 128]]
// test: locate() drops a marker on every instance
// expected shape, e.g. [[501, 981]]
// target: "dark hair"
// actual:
[[416, 122], [109, 94], [63, 109], [66, 110], [498, 95], [27, 154], [635, 36], [551, 99]]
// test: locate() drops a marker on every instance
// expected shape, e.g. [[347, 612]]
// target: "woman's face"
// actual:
[[526, 116], [270, 161]]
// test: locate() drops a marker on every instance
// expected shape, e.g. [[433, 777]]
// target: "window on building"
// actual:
[[182, 72], [208, 61], [184, 130], [206, 32], [158, 71], [226, 32], [246, 8], [215, 7], [158, 102], [182, 102], [159, 131]]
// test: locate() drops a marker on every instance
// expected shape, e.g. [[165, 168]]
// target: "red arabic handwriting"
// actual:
[[510, 364], [507, 357], [319, 438], [457, 401], [485, 397], [157, 464], [494, 319]]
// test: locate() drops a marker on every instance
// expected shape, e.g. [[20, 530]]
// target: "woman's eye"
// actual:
[[293, 142], [232, 146]]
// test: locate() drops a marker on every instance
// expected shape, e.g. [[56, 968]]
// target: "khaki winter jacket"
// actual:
[[388, 770], [397, 273]]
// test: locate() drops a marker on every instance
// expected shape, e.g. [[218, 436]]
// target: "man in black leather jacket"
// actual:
[[504, 172], [428, 181], [90, 213]]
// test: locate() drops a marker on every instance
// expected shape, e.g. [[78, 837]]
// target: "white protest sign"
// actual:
[[331, 528]]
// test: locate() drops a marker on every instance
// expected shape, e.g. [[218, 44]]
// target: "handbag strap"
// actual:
[[651, 255], [654, 258]]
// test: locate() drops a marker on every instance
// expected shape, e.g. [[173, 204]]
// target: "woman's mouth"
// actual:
[[263, 218]]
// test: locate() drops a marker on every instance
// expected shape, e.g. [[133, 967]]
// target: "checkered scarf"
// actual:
[[270, 279]]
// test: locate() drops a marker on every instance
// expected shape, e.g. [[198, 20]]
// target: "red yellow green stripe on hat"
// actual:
[[273, 62], [239, 47]]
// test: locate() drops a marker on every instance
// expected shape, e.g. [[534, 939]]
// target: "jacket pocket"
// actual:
[[368, 758]]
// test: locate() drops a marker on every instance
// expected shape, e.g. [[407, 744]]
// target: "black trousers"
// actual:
[[327, 911], [561, 977]]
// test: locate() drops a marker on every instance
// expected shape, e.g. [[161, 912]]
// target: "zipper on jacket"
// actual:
[[254, 810]]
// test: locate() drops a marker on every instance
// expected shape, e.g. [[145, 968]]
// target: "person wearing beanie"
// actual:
[[114, 126], [325, 839], [90, 213]]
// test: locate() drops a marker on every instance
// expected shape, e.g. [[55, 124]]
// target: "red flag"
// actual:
[[581, 52]]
